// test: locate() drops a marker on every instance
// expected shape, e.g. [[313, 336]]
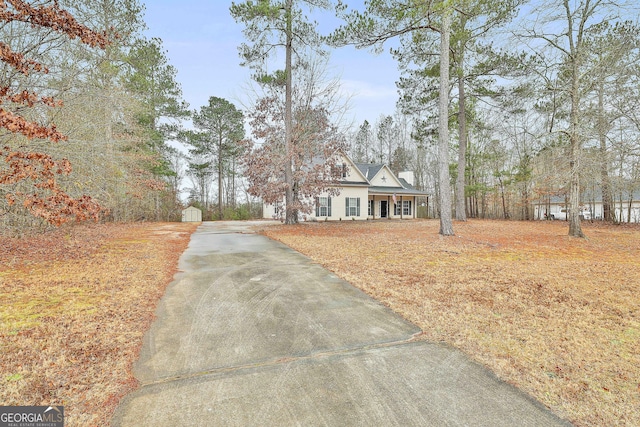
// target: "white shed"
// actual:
[[191, 214]]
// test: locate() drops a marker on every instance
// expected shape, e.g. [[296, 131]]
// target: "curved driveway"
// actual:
[[252, 333]]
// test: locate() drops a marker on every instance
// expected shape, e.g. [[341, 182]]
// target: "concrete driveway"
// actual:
[[252, 333]]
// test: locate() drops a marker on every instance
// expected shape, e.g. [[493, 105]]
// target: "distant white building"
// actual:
[[625, 210], [367, 191]]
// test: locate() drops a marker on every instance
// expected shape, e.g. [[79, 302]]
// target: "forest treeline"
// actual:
[[542, 105], [116, 107]]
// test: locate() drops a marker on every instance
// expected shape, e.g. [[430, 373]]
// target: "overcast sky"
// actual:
[[202, 39]]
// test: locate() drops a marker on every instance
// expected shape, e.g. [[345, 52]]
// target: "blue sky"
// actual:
[[201, 39]]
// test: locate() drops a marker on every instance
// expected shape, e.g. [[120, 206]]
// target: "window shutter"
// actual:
[[346, 202], [358, 206], [328, 206], [317, 206]]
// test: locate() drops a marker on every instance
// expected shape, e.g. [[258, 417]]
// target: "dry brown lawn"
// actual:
[[74, 306], [558, 317]]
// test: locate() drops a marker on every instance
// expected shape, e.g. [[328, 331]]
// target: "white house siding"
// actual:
[[352, 172], [339, 205], [385, 178], [621, 210], [270, 211]]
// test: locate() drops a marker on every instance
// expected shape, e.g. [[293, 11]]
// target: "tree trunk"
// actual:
[[220, 212], [573, 213], [203, 194], [291, 215], [575, 229], [461, 214], [233, 183], [525, 200], [607, 198], [446, 225], [505, 214]]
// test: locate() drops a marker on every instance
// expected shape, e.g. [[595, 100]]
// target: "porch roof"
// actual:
[[398, 191]]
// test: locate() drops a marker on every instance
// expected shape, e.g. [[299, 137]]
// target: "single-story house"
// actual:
[[367, 191], [625, 208]]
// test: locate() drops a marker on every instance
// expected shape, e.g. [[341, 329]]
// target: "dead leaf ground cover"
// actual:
[[74, 306], [556, 316]]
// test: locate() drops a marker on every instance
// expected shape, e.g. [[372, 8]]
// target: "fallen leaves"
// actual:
[[75, 305], [557, 316]]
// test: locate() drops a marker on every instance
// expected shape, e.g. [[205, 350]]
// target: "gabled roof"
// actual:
[[353, 167], [363, 175], [369, 170], [374, 170]]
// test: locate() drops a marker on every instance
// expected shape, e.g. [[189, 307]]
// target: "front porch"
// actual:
[[388, 206]]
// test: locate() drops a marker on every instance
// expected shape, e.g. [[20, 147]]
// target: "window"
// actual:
[[340, 170], [403, 208], [370, 212], [323, 206], [352, 206], [406, 207]]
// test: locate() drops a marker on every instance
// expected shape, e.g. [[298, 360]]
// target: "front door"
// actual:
[[383, 209]]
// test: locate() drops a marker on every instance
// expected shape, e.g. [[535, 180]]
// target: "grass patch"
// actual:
[[76, 303], [556, 316]]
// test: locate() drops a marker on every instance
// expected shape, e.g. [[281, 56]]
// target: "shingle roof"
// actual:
[[369, 170], [405, 184], [590, 195]]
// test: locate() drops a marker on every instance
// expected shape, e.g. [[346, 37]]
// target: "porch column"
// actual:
[[415, 207], [373, 206]]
